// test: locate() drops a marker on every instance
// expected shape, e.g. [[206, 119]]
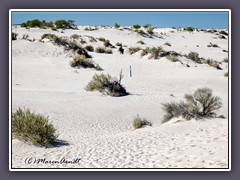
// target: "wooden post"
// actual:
[[130, 71]]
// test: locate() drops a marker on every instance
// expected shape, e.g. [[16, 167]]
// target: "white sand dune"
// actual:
[[99, 128]]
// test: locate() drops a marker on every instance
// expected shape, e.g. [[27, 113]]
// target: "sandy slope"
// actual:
[[99, 128]]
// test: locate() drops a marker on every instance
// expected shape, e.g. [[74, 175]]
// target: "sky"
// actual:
[[157, 19]]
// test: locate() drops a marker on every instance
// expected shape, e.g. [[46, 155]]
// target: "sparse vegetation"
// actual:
[[90, 29], [167, 43], [140, 42], [139, 122], [89, 48], [189, 29], [172, 58], [25, 36], [101, 39], [107, 43], [118, 44], [194, 56], [226, 74], [14, 36], [213, 63], [225, 60], [155, 52], [136, 26], [200, 104], [106, 85], [49, 36], [103, 50], [116, 25], [133, 50], [32, 128], [81, 61]]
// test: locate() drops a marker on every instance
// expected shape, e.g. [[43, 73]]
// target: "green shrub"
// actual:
[[155, 52], [150, 30], [103, 50], [200, 104], [146, 26], [136, 26], [33, 128], [225, 60], [106, 84], [89, 48], [172, 58], [101, 39], [139, 122], [116, 25], [141, 32], [189, 29], [82, 61], [133, 50], [194, 56], [49, 36], [14, 36]]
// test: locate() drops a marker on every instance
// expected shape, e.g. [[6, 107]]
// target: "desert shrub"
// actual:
[[147, 26], [49, 36], [172, 58], [139, 122], [212, 63], [200, 104], [82, 41], [136, 26], [133, 50], [150, 30], [189, 29], [141, 32], [106, 43], [167, 43], [98, 67], [106, 84], [226, 74], [116, 25], [224, 33], [140, 42], [32, 128], [54, 29], [101, 39], [118, 44], [14, 36], [75, 36], [194, 56], [225, 60], [89, 48], [25, 36], [155, 52], [82, 61], [103, 50], [145, 51]]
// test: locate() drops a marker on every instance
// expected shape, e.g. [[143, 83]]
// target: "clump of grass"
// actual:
[[118, 44], [155, 52], [172, 58], [75, 36], [213, 63], [140, 42], [89, 48], [194, 56], [49, 36], [139, 122], [90, 29], [101, 39], [82, 61], [32, 128], [225, 60], [106, 85], [200, 104], [145, 51], [167, 43], [226, 74], [150, 30], [103, 50], [106, 43], [14, 36], [189, 29], [133, 50], [25, 36]]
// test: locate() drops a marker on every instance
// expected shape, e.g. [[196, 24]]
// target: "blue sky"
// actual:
[[157, 19]]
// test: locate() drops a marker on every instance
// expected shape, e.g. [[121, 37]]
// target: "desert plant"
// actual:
[[189, 29], [140, 42], [32, 128], [103, 50], [75, 36], [139, 122], [101, 39], [225, 60], [89, 48], [106, 43], [49, 36], [133, 50], [212, 63], [147, 26], [150, 30], [81, 61], [14, 36], [155, 52], [200, 104], [194, 56], [145, 51], [172, 58], [226, 74], [118, 44], [167, 43], [116, 25], [106, 84], [141, 32], [136, 26], [25, 36]]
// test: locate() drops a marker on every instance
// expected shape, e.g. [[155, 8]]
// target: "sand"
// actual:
[[98, 128]]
